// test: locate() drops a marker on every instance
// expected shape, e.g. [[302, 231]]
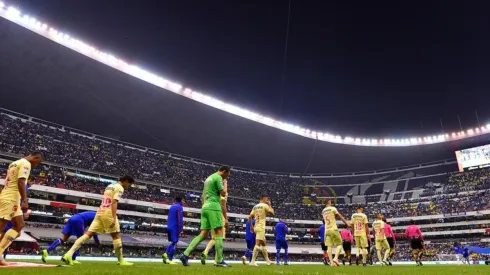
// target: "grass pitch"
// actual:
[[91, 268]]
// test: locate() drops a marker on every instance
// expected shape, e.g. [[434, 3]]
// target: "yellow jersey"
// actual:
[[359, 221], [329, 215], [379, 230], [19, 169], [260, 213], [113, 192]]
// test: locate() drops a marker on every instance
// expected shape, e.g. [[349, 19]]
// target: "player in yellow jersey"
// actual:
[[360, 223], [380, 239], [212, 242], [13, 192], [259, 213], [332, 234], [106, 221]]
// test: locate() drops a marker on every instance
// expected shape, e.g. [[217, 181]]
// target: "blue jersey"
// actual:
[[321, 232], [176, 217], [86, 217], [458, 250], [466, 252], [281, 231], [249, 235]]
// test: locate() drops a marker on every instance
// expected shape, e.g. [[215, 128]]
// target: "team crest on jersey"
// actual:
[[26, 171]]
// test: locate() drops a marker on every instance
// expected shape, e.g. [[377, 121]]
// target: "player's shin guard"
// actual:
[[210, 245], [54, 245], [392, 252], [265, 254], [278, 256], [219, 249], [78, 243], [7, 240], [387, 254], [118, 249], [378, 253], [330, 253], [195, 242], [415, 252], [171, 250], [337, 252], [75, 255], [255, 253], [364, 255], [286, 256]]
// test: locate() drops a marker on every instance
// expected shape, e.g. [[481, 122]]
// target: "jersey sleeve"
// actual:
[[118, 192], [24, 170], [365, 219], [219, 183], [335, 211]]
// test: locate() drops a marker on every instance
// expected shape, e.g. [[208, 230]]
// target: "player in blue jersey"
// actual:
[[321, 232], [466, 255], [281, 243], [250, 239], [27, 213], [175, 226], [75, 226]]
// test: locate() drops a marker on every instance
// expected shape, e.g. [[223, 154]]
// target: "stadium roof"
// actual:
[[50, 81]]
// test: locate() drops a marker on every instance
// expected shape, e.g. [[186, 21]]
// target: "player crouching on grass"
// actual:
[[106, 221], [13, 199], [259, 212]]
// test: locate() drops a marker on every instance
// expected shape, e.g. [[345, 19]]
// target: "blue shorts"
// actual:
[[173, 235], [8, 227], [281, 244], [250, 244], [74, 227]]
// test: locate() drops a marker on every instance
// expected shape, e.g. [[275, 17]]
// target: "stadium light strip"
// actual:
[[14, 15]]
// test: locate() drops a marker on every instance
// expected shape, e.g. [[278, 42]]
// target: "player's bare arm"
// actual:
[[21, 185], [339, 216], [224, 211], [366, 227], [271, 210], [114, 213]]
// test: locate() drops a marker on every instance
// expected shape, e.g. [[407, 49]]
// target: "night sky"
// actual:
[[353, 67]]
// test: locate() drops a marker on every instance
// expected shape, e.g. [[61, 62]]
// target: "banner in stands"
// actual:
[[473, 158], [63, 205]]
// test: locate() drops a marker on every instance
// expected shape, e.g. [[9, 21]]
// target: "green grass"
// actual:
[[158, 269]]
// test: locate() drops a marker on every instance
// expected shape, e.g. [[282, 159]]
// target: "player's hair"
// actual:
[[178, 199], [36, 154], [262, 197], [224, 168], [126, 178], [384, 219], [412, 221]]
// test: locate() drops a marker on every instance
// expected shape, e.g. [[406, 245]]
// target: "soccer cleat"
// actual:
[[269, 263], [253, 264], [184, 259], [335, 263], [76, 262], [124, 263], [286, 263], [204, 257], [170, 262], [244, 260], [164, 258], [222, 264], [44, 256], [2, 261], [364, 265], [343, 261], [67, 259]]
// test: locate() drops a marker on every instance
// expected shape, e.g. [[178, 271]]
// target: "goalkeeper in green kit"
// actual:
[[213, 215]]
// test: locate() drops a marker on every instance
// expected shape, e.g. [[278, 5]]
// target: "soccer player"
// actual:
[[380, 238], [106, 221], [259, 212], [75, 226], [416, 239], [466, 255], [281, 231], [250, 239], [390, 237], [347, 240], [212, 242], [11, 207], [213, 215], [175, 226], [459, 253], [321, 232], [332, 235], [361, 233]]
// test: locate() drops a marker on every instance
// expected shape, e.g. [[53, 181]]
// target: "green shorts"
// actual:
[[211, 219]]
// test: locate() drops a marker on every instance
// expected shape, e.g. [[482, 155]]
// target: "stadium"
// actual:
[[438, 181]]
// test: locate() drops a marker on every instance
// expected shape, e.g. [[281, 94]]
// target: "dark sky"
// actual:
[[353, 67]]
